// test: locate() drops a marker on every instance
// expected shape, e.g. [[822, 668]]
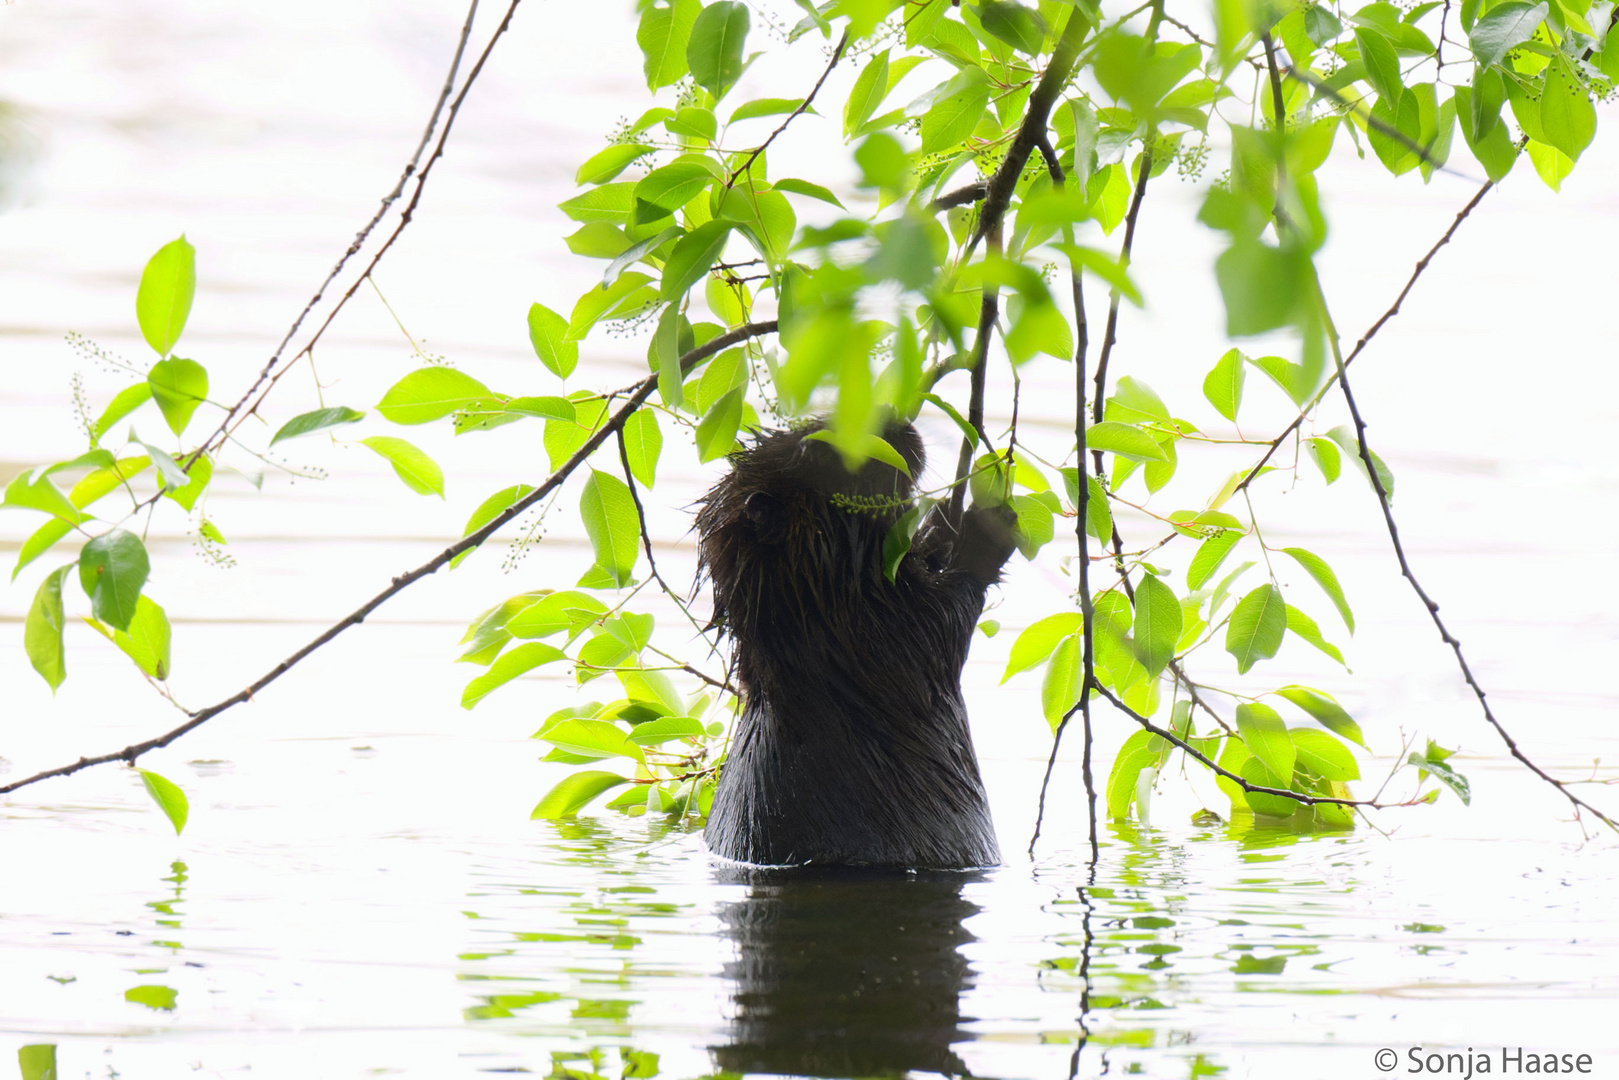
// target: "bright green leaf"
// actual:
[[1257, 626], [178, 386], [419, 472], [163, 301], [113, 569], [172, 801]]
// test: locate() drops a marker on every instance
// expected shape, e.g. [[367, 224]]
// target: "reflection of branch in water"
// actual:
[[847, 973]]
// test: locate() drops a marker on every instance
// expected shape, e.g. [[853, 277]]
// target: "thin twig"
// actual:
[[988, 312], [1394, 309], [403, 581], [405, 217], [1086, 608], [1428, 601], [837, 54], [365, 233]]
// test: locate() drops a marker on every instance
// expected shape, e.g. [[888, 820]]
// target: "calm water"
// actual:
[[359, 891]]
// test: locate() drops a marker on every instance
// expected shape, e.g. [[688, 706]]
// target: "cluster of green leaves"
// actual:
[[879, 304]]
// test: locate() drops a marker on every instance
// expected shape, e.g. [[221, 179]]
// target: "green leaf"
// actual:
[[1260, 285], [897, 541], [1325, 710], [955, 111], [146, 641], [608, 511], [716, 432], [1566, 115], [163, 301], [1142, 750], [662, 35], [1018, 26], [1345, 438], [653, 688], [431, 393], [1303, 626], [523, 658], [1210, 554], [1158, 624], [38, 1061], [674, 185], [654, 732], [1382, 65], [869, 90], [1505, 28], [643, 442], [1435, 763], [610, 203], [573, 793], [623, 297], [178, 386], [606, 164], [419, 472], [123, 403], [172, 801], [1059, 691], [1319, 753], [112, 570], [804, 187], [1035, 524], [309, 422], [1551, 164], [1036, 643], [34, 491], [597, 240], [1266, 737], [636, 252], [1256, 627], [42, 632], [548, 332], [153, 997], [1223, 385], [592, 739], [1317, 568], [767, 107], [487, 511], [1324, 452], [714, 51], [565, 610], [1125, 440], [693, 257]]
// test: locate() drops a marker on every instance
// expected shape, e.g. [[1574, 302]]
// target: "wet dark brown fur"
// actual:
[[852, 748]]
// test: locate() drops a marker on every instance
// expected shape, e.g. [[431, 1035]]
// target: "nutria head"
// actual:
[[790, 519]]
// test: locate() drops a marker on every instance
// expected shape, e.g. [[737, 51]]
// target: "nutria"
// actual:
[[852, 748]]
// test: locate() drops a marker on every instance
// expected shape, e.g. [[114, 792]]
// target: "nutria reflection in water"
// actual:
[[846, 972], [852, 748]]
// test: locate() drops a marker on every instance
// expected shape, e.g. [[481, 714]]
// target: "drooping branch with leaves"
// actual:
[[1025, 137]]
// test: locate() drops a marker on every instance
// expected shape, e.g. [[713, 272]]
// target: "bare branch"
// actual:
[[1394, 309], [837, 54], [1433, 608]]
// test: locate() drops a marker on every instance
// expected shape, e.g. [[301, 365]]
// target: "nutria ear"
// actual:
[[767, 515], [988, 538]]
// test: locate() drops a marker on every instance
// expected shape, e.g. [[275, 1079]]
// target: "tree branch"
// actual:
[[643, 391], [1428, 601], [1256, 789], [837, 54], [1082, 343], [273, 368], [1394, 309]]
